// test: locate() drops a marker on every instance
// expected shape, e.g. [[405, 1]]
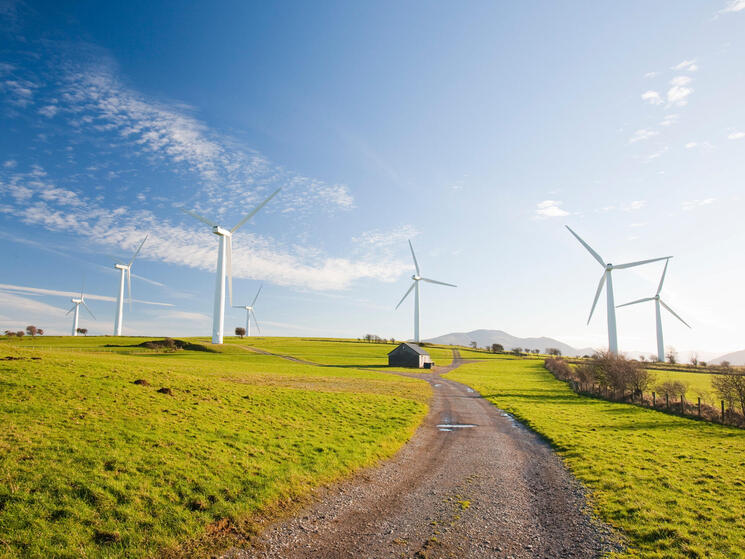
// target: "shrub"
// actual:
[[559, 368], [673, 388], [240, 332]]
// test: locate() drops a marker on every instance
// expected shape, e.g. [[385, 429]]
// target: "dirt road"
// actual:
[[472, 482]]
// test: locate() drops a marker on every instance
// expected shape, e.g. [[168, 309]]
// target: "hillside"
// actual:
[[735, 358], [488, 337]]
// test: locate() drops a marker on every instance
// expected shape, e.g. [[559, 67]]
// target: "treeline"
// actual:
[[617, 378], [375, 339], [30, 330]]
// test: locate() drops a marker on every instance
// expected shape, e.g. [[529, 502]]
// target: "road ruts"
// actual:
[[491, 490]]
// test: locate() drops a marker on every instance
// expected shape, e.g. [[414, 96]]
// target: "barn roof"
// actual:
[[413, 347]]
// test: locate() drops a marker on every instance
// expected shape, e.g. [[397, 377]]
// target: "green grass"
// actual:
[[674, 486], [698, 385], [92, 465]]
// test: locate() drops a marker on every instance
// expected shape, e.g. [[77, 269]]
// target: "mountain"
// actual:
[[734, 358], [485, 338]]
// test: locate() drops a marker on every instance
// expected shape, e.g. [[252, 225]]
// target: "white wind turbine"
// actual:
[[77, 301], [417, 278], [250, 311], [225, 267], [657, 303], [607, 279], [125, 270]]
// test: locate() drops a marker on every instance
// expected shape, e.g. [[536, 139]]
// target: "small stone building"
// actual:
[[410, 355]]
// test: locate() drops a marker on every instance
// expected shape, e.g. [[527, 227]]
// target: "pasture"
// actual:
[[674, 486], [94, 465]]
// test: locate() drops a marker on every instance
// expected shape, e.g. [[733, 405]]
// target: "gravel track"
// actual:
[[494, 490]]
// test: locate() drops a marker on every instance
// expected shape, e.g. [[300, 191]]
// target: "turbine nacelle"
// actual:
[[121, 267], [217, 230], [416, 278]]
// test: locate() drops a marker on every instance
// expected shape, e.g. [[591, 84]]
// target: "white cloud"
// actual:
[[669, 120], [550, 208], [652, 97], [54, 292], [10, 164], [49, 110], [689, 205], [736, 136], [20, 92], [642, 134], [690, 145], [678, 94], [733, 6], [635, 205], [657, 154], [689, 65], [650, 74]]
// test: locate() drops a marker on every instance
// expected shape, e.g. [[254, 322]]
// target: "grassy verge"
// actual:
[[674, 486], [93, 465]]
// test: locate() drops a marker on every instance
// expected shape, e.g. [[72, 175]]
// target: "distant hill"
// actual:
[[734, 358], [485, 338]]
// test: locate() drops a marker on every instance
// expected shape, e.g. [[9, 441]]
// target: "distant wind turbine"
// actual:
[[417, 278], [126, 270], [607, 279], [250, 311], [657, 303], [224, 267], [77, 301]]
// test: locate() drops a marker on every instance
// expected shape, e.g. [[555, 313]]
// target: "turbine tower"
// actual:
[[77, 301], [250, 311], [608, 280], [125, 270], [225, 267], [415, 286], [657, 303]]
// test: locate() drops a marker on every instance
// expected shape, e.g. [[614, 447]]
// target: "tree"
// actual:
[[240, 332], [672, 356], [39, 332], [724, 364], [731, 388], [474, 345], [517, 350], [20, 333], [694, 359], [83, 331], [642, 358], [9, 333], [31, 330], [497, 348], [553, 351]]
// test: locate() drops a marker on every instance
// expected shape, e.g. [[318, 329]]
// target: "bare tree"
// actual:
[[20, 333], [474, 345], [240, 332], [9, 333], [31, 330], [497, 348], [694, 359], [39, 332], [83, 331], [731, 388], [672, 356], [553, 351]]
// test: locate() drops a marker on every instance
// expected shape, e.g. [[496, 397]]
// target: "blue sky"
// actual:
[[477, 130]]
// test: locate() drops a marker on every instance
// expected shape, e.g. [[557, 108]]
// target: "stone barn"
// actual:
[[410, 355]]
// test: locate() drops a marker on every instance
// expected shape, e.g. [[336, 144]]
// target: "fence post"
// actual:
[[699, 406], [682, 405], [722, 412], [654, 399], [667, 400]]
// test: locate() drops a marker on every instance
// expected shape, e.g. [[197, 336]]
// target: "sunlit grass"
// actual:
[[674, 486], [93, 465]]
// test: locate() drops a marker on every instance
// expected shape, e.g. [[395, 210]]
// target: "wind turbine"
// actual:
[[77, 301], [224, 266], [608, 280], [657, 303], [417, 278], [250, 311], [125, 270]]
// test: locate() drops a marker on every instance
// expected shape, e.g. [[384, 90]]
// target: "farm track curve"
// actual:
[[485, 487]]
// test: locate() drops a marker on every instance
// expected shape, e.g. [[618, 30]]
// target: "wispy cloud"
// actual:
[[733, 6], [550, 208], [634, 205], [650, 75], [689, 205], [736, 135], [679, 91], [642, 134], [689, 65], [652, 97], [40, 291], [669, 120]]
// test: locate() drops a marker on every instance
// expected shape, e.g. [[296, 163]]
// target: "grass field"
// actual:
[[675, 486], [698, 385], [93, 465]]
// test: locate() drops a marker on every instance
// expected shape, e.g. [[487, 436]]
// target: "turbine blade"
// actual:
[[72, 309], [438, 282], [229, 257], [89, 311], [662, 279], [129, 288], [256, 322], [635, 302], [597, 296], [257, 295], [196, 216], [595, 255], [256, 209], [406, 294], [674, 313], [139, 248], [416, 264], [238, 307], [640, 262]]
